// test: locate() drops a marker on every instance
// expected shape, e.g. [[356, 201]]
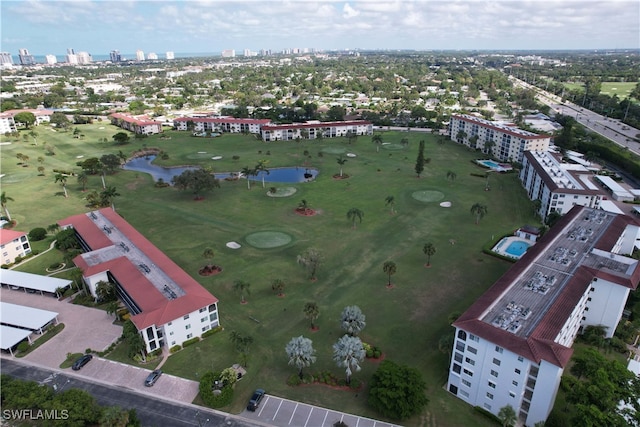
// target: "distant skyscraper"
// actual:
[[228, 53], [25, 57], [5, 58], [115, 56], [51, 59], [71, 51], [139, 55], [170, 55], [71, 56], [152, 56], [84, 58]]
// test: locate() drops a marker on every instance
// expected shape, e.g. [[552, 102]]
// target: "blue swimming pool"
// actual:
[[517, 248], [283, 175], [498, 167]]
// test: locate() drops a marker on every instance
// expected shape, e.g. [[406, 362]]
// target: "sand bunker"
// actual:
[[233, 245], [445, 204]]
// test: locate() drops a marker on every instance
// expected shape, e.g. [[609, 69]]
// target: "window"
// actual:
[[170, 323], [487, 406], [459, 346], [520, 358], [499, 349], [468, 372], [470, 361], [457, 357], [189, 336], [490, 396], [462, 335], [472, 350], [517, 371], [492, 385], [204, 319], [456, 368], [188, 327], [464, 393], [515, 383], [171, 333], [496, 361], [512, 395], [186, 317], [467, 383], [173, 343], [494, 373], [474, 338], [202, 309]]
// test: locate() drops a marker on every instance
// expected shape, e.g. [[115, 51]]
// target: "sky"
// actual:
[[190, 26]]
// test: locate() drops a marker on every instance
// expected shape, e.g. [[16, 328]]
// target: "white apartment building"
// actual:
[[170, 55], [504, 142], [559, 186], [166, 304], [7, 124], [220, 124], [136, 124], [6, 59], [315, 130], [513, 344], [228, 53], [139, 55], [42, 115], [51, 59], [13, 244]]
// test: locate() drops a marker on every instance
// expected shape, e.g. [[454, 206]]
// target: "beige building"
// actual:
[[13, 244]]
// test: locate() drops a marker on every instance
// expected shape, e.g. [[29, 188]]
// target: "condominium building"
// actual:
[[228, 53], [42, 115], [152, 56], [504, 142], [137, 124], [558, 186], [84, 58], [220, 124], [71, 57], [139, 55], [25, 57], [13, 244], [7, 124], [513, 344], [315, 130], [167, 306], [170, 55], [51, 59], [6, 58], [115, 57]]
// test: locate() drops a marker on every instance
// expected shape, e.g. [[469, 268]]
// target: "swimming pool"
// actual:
[[517, 248], [498, 167], [512, 247]]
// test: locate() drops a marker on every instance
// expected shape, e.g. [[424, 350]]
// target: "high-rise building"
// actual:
[[139, 55], [228, 53], [115, 56], [71, 56], [170, 55], [84, 58], [152, 56], [51, 59], [5, 58], [25, 57]]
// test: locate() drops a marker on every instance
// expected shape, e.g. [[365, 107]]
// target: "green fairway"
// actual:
[[622, 89], [406, 322]]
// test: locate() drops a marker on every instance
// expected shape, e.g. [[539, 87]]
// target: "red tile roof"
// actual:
[[8, 236], [501, 129], [316, 125], [138, 120], [156, 308]]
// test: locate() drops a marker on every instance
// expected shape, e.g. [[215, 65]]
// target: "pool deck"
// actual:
[[504, 243]]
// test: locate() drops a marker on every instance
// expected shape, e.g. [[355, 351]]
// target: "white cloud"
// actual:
[[349, 12]]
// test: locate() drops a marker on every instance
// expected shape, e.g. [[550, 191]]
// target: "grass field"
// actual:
[[405, 322], [622, 89]]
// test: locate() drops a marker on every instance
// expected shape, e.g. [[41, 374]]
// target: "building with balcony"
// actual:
[[167, 306], [220, 124], [137, 124], [513, 344], [504, 142], [13, 244], [42, 115], [315, 130], [557, 185], [7, 124]]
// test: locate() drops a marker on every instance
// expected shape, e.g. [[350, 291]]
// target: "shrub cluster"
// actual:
[[218, 399], [212, 331], [175, 348], [188, 342]]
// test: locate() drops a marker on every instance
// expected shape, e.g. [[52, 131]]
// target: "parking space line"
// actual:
[[308, 416], [358, 422], [263, 406], [274, 415], [293, 413], [326, 414]]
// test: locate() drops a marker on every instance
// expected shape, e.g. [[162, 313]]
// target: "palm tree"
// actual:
[[301, 353], [107, 195], [63, 181], [242, 288], [247, 172], [261, 167], [311, 259], [278, 286], [208, 254], [83, 178], [390, 201], [404, 142], [312, 312], [112, 307], [479, 210], [3, 201], [353, 214], [33, 134], [507, 416], [303, 206], [390, 268], [242, 345], [428, 250], [377, 139], [341, 161], [348, 352], [353, 320], [451, 175]]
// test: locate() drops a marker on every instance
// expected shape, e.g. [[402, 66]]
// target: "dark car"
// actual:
[[81, 362], [152, 378], [255, 400]]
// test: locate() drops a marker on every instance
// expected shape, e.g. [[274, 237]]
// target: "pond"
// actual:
[[284, 175]]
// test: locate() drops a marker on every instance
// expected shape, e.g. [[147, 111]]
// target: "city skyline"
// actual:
[[98, 27]]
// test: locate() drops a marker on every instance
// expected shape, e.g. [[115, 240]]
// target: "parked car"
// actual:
[[79, 363], [254, 402], [152, 378]]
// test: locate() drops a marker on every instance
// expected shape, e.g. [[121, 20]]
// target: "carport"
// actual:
[[11, 337], [27, 318], [28, 281]]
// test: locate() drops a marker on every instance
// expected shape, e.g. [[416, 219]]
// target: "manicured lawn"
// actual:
[[622, 89], [405, 322]]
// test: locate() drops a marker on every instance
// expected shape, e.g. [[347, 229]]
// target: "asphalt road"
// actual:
[[151, 411]]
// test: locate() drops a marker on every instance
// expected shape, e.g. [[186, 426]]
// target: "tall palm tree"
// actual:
[[348, 352], [3, 201], [107, 195], [507, 416], [390, 201], [451, 175], [262, 167], [242, 288], [248, 172], [208, 254], [63, 181], [311, 312], [377, 139], [479, 210], [353, 214], [301, 353], [390, 268], [311, 259], [341, 161], [83, 178], [428, 250]]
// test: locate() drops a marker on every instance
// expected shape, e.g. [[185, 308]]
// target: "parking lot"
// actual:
[[276, 411]]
